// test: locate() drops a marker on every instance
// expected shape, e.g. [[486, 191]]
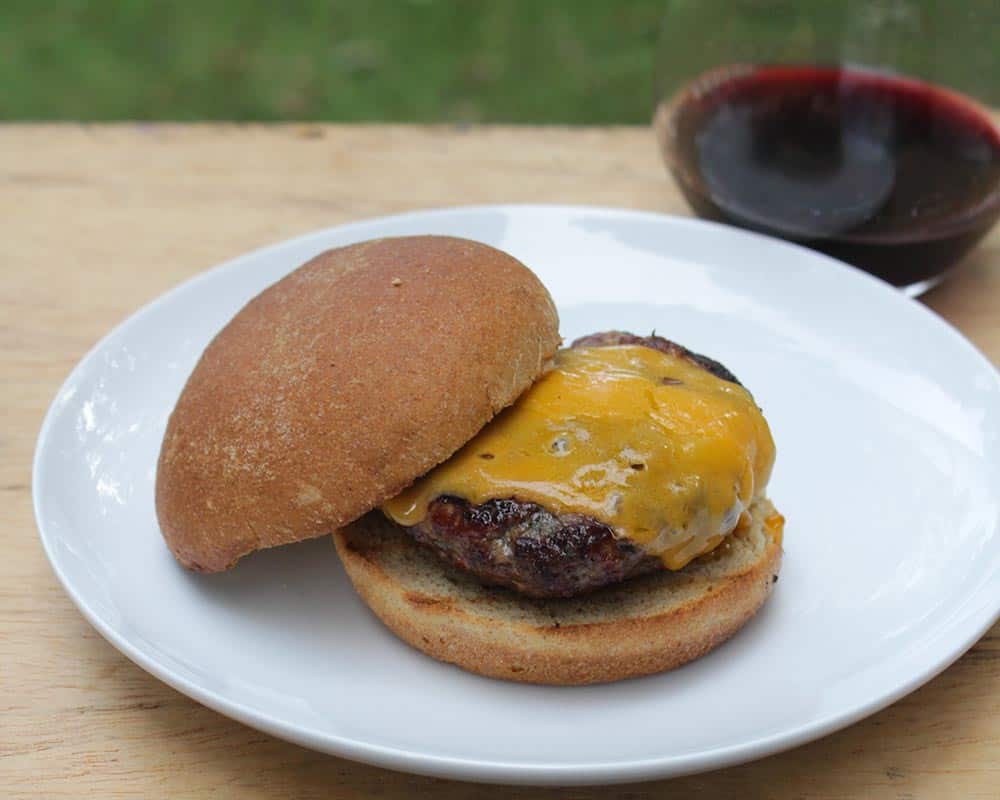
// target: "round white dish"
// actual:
[[886, 422]]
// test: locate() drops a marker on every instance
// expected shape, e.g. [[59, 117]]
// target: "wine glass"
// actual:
[[866, 130]]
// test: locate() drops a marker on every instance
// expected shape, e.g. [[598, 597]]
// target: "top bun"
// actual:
[[336, 387]]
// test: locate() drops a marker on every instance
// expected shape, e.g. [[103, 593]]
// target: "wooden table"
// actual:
[[98, 220]]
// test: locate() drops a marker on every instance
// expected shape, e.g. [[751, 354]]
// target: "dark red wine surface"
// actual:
[[896, 176]]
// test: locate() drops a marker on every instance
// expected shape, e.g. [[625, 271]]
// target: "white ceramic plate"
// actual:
[[888, 471]]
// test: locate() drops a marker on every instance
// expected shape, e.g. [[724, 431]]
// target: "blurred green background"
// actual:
[[540, 61], [565, 61]]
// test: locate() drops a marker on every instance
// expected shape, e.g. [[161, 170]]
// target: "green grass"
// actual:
[[549, 61], [568, 61]]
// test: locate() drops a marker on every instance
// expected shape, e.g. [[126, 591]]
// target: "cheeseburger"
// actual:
[[542, 514]]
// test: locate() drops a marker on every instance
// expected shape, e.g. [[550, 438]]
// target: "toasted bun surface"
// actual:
[[639, 627], [336, 387]]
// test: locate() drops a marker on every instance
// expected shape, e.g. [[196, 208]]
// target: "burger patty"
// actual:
[[524, 546], [612, 338]]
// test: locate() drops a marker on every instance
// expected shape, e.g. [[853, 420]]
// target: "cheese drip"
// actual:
[[659, 449]]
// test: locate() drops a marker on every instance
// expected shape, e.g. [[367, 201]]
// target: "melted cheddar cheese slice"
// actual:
[[659, 449]]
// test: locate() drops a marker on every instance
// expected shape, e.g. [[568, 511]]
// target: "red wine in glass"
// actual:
[[893, 175]]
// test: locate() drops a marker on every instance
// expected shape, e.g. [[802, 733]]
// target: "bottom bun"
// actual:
[[638, 627]]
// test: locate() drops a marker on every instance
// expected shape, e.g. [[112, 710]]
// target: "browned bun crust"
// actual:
[[336, 387], [641, 626]]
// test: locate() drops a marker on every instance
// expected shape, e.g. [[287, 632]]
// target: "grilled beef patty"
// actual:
[[526, 547]]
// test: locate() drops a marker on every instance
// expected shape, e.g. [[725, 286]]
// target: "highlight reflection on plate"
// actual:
[[888, 471]]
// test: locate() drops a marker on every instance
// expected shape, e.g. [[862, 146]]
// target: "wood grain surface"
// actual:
[[98, 220]]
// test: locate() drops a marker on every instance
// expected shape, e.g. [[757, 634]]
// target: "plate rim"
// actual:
[[977, 623]]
